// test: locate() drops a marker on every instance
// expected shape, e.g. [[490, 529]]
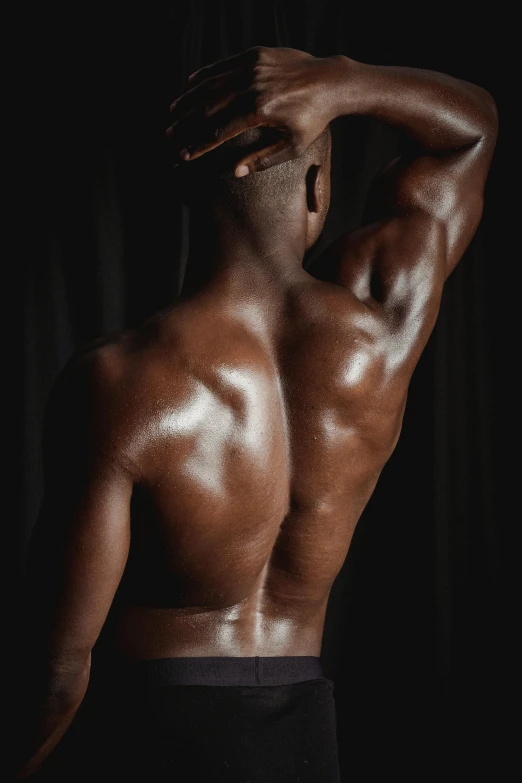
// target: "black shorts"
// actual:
[[204, 720]]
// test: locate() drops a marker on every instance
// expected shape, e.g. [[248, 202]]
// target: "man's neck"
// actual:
[[242, 260]]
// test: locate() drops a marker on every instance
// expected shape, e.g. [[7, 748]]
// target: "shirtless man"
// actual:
[[249, 424]]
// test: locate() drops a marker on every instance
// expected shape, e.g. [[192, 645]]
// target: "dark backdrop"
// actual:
[[415, 640]]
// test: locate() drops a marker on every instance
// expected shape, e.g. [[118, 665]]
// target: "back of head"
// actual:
[[270, 193]]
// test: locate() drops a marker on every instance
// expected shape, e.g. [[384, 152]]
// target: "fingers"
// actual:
[[222, 66], [215, 131], [211, 90], [206, 127], [183, 102], [194, 118], [263, 159]]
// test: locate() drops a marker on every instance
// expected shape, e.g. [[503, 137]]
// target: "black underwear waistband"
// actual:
[[275, 670]]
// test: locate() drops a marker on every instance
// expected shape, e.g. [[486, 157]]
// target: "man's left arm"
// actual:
[[78, 553]]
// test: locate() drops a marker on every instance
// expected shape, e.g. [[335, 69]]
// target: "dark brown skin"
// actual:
[[251, 422]]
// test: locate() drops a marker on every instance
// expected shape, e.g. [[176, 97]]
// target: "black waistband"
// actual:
[[226, 671]]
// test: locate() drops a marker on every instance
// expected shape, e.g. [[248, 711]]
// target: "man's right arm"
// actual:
[[77, 555]]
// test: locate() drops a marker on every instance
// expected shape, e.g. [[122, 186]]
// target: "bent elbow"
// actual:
[[489, 117]]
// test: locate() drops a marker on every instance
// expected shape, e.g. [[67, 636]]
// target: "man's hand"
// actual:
[[281, 88]]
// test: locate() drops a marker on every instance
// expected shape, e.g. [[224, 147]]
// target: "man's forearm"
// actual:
[[439, 113], [48, 719]]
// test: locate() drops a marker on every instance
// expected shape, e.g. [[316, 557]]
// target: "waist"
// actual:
[[161, 633], [224, 670]]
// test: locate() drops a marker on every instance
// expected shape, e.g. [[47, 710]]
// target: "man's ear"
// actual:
[[314, 188]]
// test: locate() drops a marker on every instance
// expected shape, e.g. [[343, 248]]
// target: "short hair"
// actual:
[[211, 177]]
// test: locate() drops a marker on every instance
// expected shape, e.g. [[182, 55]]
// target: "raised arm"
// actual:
[[77, 556], [424, 208], [429, 201]]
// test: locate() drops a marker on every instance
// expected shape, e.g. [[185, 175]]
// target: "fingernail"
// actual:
[[184, 154], [242, 171]]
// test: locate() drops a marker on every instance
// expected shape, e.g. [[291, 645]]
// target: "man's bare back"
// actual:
[[257, 449], [205, 472]]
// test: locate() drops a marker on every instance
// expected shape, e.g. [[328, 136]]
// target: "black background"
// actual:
[[416, 639]]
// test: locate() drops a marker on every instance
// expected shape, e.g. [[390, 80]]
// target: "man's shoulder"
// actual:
[[103, 398], [91, 370], [81, 397], [123, 373], [112, 361]]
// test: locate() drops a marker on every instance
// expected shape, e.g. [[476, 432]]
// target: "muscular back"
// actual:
[[254, 432]]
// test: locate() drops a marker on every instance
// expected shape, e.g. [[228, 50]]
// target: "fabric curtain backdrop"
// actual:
[[412, 639]]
